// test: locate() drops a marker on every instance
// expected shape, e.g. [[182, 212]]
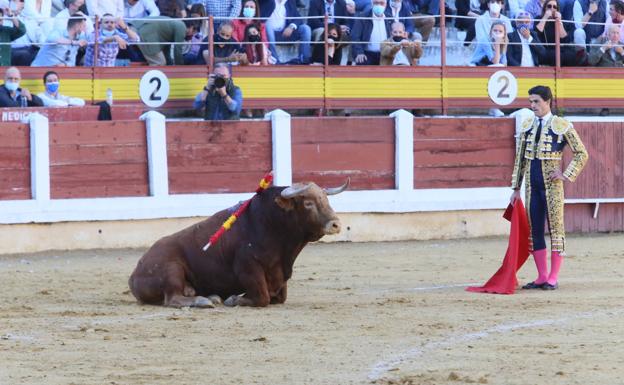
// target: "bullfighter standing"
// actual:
[[539, 154]]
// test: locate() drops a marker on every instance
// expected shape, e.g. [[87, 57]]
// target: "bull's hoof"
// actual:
[[231, 301], [203, 302], [215, 299]]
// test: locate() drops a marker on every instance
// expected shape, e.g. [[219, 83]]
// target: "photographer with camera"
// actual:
[[221, 99]]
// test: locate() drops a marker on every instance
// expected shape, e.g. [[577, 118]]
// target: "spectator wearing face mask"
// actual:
[[485, 21], [256, 51], [226, 48], [249, 14], [11, 95], [492, 51], [334, 47], [194, 40], [8, 34], [525, 48], [370, 33], [399, 49], [63, 47], [114, 35], [51, 96]]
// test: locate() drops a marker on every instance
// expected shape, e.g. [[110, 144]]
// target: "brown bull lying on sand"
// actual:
[[255, 257]]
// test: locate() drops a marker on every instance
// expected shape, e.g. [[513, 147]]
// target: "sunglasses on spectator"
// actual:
[[551, 6]]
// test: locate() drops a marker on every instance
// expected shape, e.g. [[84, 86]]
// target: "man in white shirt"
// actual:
[[370, 32], [72, 10], [51, 96], [284, 25], [530, 51], [140, 9], [102, 7]]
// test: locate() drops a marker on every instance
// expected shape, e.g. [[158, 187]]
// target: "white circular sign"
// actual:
[[154, 88], [503, 87]]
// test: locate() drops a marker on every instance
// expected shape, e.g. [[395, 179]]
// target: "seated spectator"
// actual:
[[587, 12], [172, 8], [36, 19], [370, 32], [223, 10], [516, 6], [163, 30], [198, 10], [492, 51], [545, 28], [73, 10], [63, 47], [423, 23], [610, 53], [534, 7], [194, 40], [334, 46], [226, 48], [483, 25], [51, 96], [281, 28], [472, 9], [399, 49], [248, 13], [220, 98], [8, 34], [256, 51], [525, 48], [57, 6], [137, 9], [102, 7], [616, 16], [113, 35], [334, 9], [399, 12], [11, 95]]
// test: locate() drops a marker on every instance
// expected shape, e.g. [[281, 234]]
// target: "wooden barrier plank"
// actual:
[[214, 182], [15, 158], [14, 184], [105, 132], [209, 158], [68, 154], [239, 132], [99, 180], [360, 180], [15, 135], [461, 177]]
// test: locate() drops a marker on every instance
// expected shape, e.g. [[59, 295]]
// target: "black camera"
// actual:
[[219, 81]]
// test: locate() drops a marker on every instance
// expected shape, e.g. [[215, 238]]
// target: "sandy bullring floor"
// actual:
[[383, 313]]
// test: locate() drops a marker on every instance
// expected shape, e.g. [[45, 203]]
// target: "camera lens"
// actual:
[[219, 81]]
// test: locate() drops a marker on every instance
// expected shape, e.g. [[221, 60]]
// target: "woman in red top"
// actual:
[[250, 11]]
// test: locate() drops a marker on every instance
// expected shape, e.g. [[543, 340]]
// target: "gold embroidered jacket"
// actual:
[[556, 133]]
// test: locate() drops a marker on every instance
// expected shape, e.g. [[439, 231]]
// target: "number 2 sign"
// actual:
[[502, 87], [154, 88]]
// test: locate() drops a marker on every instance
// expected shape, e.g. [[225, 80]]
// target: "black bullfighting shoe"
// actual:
[[548, 286], [533, 285]]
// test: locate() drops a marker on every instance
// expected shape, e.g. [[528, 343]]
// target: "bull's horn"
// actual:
[[338, 190], [293, 191]]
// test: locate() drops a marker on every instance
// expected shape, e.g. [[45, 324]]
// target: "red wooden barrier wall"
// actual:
[[463, 153], [328, 150], [217, 157], [98, 159], [15, 161]]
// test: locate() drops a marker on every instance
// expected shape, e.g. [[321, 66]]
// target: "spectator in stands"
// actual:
[[220, 98], [198, 10], [616, 16], [194, 40], [226, 48], [11, 95], [492, 51], [334, 9], [610, 53], [73, 10], [223, 10], [113, 35], [525, 48], [62, 48], [399, 49], [283, 25], [472, 9], [399, 12], [248, 13], [172, 8], [51, 96], [8, 34], [483, 25], [35, 16], [136, 9], [370, 32], [257, 52], [545, 28], [57, 6], [163, 30], [423, 23], [516, 6], [101, 7], [534, 7], [334, 46], [587, 12]]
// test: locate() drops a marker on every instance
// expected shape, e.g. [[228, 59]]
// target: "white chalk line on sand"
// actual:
[[382, 367], [422, 288]]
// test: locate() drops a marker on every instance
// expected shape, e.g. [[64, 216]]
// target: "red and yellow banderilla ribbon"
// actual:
[[263, 185]]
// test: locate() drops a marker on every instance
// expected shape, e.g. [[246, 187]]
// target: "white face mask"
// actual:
[[495, 8], [497, 34], [12, 87]]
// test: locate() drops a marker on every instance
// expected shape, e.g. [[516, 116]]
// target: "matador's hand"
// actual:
[[556, 174]]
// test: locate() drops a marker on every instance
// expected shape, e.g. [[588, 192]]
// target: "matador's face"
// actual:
[[539, 106]]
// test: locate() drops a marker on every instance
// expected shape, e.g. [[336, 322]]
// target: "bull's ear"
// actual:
[[284, 203]]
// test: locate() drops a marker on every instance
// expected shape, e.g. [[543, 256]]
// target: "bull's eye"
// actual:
[[308, 205]]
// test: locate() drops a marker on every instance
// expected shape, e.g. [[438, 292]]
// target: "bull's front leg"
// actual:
[[280, 296], [251, 276]]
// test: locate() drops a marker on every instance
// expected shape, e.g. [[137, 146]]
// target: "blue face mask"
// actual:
[[108, 33], [378, 10], [52, 87], [249, 12], [526, 26], [12, 87]]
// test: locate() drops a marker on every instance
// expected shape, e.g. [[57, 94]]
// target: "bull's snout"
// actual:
[[332, 227]]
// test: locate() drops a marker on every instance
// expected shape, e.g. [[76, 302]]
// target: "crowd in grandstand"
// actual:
[[272, 32]]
